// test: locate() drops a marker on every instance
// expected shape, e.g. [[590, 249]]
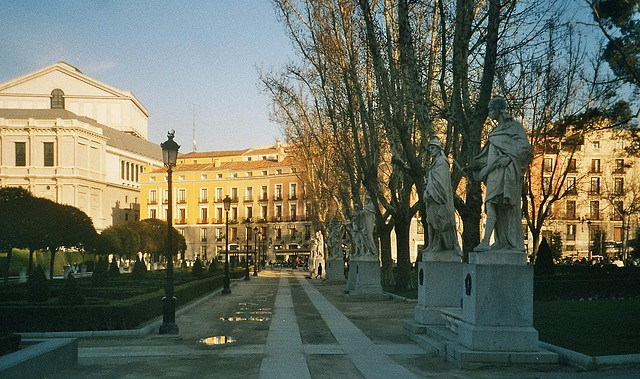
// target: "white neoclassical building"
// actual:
[[72, 139]]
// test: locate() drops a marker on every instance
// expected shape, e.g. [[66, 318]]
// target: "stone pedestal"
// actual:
[[439, 288], [22, 275], [351, 279], [66, 269], [497, 305], [335, 271], [367, 278]]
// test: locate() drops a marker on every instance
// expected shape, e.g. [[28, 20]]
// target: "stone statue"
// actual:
[[501, 164], [367, 221], [356, 232], [318, 245], [334, 242], [438, 198]]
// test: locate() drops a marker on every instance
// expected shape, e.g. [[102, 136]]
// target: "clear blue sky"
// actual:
[[170, 54]]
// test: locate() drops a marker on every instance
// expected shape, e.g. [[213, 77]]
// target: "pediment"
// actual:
[[63, 76]]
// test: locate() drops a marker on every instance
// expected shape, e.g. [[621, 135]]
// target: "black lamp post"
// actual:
[[255, 251], [247, 224], [169, 157], [225, 281], [589, 239]]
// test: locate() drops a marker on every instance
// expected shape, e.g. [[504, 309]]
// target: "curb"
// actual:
[[590, 363], [396, 297]]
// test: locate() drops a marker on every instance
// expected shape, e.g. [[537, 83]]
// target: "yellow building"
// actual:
[[264, 188]]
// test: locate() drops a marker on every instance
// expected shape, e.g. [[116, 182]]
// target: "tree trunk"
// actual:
[[31, 251], [385, 255], [53, 257], [402, 249], [6, 270]]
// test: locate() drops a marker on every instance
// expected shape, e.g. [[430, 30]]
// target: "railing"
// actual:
[[180, 221], [204, 200], [202, 221], [181, 201], [152, 202], [277, 198]]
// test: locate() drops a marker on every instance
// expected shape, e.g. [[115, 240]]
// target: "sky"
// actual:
[[169, 54]]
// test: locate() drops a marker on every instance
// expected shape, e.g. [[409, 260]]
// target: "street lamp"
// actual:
[[169, 157], [255, 251], [589, 239], [225, 281], [247, 224]]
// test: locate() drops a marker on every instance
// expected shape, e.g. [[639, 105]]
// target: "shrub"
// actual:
[[139, 268], [71, 294], [196, 270], [214, 267], [100, 273], [114, 270], [544, 260], [38, 286]]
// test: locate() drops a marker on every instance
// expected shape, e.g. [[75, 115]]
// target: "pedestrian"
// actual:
[[319, 270]]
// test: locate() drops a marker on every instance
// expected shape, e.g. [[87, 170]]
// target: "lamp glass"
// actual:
[[227, 203]]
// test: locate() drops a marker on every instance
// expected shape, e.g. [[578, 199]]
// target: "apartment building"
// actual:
[[601, 192], [267, 198]]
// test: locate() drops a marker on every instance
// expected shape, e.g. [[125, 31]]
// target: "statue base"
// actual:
[[335, 271], [498, 257], [352, 277], [439, 287], [367, 278]]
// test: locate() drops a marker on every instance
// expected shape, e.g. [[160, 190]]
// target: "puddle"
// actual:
[[237, 319], [260, 313], [217, 340], [246, 304]]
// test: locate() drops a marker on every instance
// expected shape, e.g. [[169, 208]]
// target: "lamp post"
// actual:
[[225, 281], [255, 251], [247, 224], [264, 247], [589, 239], [169, 157]]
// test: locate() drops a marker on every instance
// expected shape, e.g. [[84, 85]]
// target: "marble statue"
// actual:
[[318, 245], [367, 221], [438, 198], [501, 165], [334, 242], [356, 232]]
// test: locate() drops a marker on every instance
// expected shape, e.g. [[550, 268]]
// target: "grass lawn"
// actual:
[[596, 327]]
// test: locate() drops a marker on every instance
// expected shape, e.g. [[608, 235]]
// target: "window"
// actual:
[[219, 234], [263, 193], [293, 210], [204, 195], [571, 186], [571, 209], [234, 175], [182, 195], [278, 195], [165, 196], [618, 186], [572, 165], [595, 145], [48, 154], [234, 214], [21, 154], [219, 196], [219, 218], [57, 99], [595, 165], [571, 232], [547, 165], [152, 213], [595, 186], [218, 176], [294, 170], [278, 233], [263, 212], [278, 212], [203, 234], [204, 213], [203, 252], [122, 170], [234, 194], [279, 172], [203, 177], [617, 234], [249, 174], [618, 209], [619, 166], [249, 212], [182, 216], [263, 173], [153, 198], [248, 195], [594, 210], [546, 185], [293, 191]]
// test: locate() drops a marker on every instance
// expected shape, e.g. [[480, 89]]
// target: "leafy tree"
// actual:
[[139, 268], [13, 200]]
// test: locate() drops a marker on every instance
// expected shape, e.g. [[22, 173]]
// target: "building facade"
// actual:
[[71, 139], [601, 193], [268, 208]]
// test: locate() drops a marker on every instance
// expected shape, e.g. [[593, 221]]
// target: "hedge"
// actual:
[[585, 282], [120, 314]]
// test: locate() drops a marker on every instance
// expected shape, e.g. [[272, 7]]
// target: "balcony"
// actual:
[[204, 200], [234, 199], [571, 237], [180, 221], [203, 239], [248, 199], [181, 201], [152, 202], [293, 197], [264, 197], [203, 221], [218, 200]]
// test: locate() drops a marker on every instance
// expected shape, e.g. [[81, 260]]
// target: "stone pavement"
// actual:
[[284, 325]]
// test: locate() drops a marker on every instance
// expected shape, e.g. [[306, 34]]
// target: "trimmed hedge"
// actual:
[[586, 282], [121, 314]]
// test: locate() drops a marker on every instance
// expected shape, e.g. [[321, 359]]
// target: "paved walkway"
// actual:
[[283, 325]]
